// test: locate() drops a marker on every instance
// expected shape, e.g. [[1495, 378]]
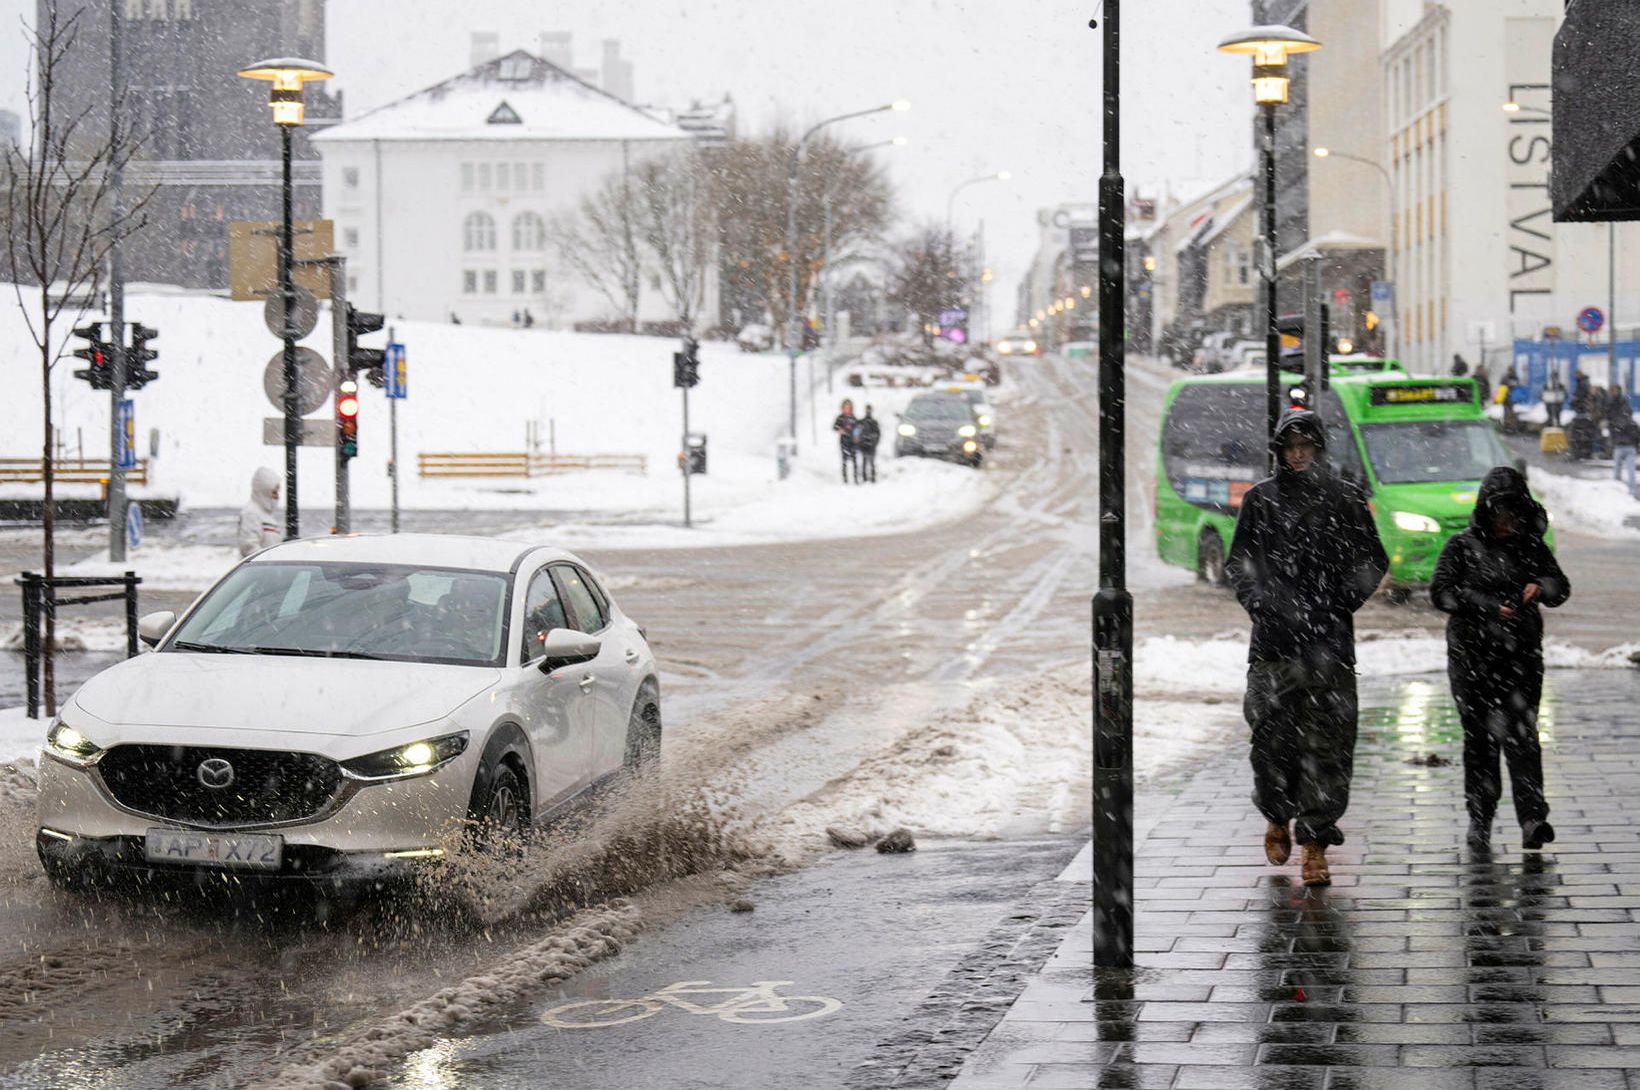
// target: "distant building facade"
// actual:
[[1056, 297], [210, 150]]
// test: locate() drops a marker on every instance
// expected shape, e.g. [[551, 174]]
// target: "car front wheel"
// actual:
[[643, 732], [499, 811]]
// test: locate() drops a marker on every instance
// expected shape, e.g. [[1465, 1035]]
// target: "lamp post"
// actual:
[[827, 327], [793, 341], [1389, 188], [950, 208], [288, 74], [951, 201], [1270, 46]]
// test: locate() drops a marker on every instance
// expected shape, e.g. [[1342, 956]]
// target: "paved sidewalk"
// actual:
[[1423, 967]]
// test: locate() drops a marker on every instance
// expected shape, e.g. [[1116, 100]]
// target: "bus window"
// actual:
[[1342, 452], [1433, 450], [1213, 443]]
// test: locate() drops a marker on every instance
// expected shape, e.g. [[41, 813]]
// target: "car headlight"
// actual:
[[985, 420], [968, 431], [1416, 524], [412, 759], [908, 429], [969, 447], [70, 746], [1030, 346], [1004, 348]]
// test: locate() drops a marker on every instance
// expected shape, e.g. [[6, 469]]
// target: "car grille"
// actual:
[[268, 785]]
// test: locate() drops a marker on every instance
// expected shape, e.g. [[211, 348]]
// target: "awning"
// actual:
[[1596, 169]]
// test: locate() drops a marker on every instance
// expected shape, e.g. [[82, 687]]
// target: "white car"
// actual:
[[333, 708]]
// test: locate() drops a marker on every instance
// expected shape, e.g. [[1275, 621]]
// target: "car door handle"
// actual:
[[587, 681], [632, 657]]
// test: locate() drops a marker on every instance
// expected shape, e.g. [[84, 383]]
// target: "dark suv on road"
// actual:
[[939, 426]]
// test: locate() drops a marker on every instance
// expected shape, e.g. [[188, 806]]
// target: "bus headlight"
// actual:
[[1416, 524], [985, 420], [968, 431]]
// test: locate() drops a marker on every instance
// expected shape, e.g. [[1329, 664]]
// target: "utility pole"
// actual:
[[116, 293], [337, 266], [1113, 605], [393, 440]]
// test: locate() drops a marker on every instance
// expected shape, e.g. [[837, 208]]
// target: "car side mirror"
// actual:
[[153, 626], [566, 647]]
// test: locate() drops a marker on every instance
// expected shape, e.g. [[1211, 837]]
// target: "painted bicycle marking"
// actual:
[[757, 1004]]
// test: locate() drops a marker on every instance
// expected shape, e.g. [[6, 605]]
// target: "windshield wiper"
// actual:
[[314, 653], [212, 648]]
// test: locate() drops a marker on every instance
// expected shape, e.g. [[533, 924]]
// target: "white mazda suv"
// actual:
[[333, 708]]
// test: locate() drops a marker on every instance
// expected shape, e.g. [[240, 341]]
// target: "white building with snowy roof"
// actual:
[[441, 200]]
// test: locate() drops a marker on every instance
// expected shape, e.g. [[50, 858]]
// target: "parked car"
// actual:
[[939, 425], [985, 414], [330, 709], [755, 338]]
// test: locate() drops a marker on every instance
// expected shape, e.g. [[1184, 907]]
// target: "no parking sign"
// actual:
[[1590, 319]]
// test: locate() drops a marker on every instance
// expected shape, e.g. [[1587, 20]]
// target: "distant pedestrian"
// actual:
[[867, 434], [1304, 558], [1460, 367], [455, 319], [1505, 397], [844, 427], [1492, 580], [529, 319], [1554, 397], [1483, 385], [1599, 413], [259, 519], [1580, 393], [1625, 436]]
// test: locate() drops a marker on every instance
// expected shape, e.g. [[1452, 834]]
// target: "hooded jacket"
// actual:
[[259, 520], [1305, 557], [1479, 572]]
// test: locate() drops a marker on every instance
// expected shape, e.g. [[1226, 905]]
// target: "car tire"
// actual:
[[62, 876], [1210, 559], [500, 807], [643, 732]]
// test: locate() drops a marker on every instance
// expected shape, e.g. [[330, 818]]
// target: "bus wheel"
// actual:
[[1210, 559]]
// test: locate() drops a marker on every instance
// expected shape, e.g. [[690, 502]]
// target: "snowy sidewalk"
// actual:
[[1422, 967]]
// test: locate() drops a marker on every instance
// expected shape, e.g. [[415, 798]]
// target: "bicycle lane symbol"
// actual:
[[757, 1004]]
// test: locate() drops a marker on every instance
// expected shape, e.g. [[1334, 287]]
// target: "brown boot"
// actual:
[[1315, 865], [1278, 844]]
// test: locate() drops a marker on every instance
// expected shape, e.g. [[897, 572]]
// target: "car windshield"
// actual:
[[366, 611], [1433, 450], [939, 408]]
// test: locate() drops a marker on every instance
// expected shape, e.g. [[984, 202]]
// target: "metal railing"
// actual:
[[67, 471], [41, 598], [517, 464]]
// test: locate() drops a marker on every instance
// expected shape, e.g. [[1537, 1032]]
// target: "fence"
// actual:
[[39, 598], [1532, 360], [524, 464], [67, 471]]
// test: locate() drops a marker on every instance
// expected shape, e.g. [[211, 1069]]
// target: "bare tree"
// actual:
[[600, 243], [61, 218], [677, 224], [930, 276]]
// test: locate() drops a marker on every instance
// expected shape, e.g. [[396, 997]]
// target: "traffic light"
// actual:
[[686, 364], [361, 323], [136, 375], [347, 419], [96, 352]]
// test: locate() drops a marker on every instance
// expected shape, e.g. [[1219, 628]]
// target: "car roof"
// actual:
[[430, 550]]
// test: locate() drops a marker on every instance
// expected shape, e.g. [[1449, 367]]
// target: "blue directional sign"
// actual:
[[126, 425], [133, 525], [396, 370], [1383, 298]]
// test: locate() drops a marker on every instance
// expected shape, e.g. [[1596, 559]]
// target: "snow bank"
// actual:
[[1599, 507], [20, 736]]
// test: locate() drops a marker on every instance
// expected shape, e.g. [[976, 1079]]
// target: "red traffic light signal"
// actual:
[[347, 419]]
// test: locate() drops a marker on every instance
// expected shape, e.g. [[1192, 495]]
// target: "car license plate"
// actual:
[[251, 851], [937, 448]]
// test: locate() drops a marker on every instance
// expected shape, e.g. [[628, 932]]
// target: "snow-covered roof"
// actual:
[[516, 97], [1227, 220]]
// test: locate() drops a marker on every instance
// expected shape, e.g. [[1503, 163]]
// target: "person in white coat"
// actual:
[[259, 519]]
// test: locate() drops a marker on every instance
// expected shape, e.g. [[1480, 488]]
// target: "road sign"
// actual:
[[1590, 319], [1383, 298], [316, 432], [126, 419], [133, 525], [314, 380], [253, 256], [396, 370], [306, 313]]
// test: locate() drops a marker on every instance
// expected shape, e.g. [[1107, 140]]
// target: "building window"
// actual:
[[350, 237], [466, 177], [182, 9], [484, 177], [529, 233], [518, 281], [502, 175], [519, 176], [469, 282], [537, 177], [489, 281], [133, 9], [538, 281], [515, 68], [1244, 267], [350, 177], [352, 285], [478, 232], [156, 9]]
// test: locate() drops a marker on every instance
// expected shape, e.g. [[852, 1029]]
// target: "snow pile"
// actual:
[[1599, 507], [360, 1060], [74, 634], [20, 736], [163, 565]]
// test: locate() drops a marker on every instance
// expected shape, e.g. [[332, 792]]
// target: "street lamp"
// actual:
[[1394, 226], [793, 343], [288, 74], [951, 201], [1270, 46]]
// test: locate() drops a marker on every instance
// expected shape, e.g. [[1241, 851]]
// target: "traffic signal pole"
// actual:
[[116, 299], [688, 456], [287, 294], [344, 372]]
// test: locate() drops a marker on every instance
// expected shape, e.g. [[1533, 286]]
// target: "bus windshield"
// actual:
[[1433, 450]]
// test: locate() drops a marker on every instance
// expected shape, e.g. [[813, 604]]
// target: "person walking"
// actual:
[[259, 519], [1492, 580], [1483, 385], [1305, 557], [1554, 397], [844, 427], [1625, 436], [1460, 366], [867, 434], [1599, 418]]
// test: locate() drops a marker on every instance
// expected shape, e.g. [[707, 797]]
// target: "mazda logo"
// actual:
[[215, 773]]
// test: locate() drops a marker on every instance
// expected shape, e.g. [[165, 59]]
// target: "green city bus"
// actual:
[[1418, 446]]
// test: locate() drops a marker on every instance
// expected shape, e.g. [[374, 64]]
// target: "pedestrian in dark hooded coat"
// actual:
[[1304, 558], [1493, 580]]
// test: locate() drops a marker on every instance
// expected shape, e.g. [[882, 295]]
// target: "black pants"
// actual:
[[850, 463], [1303, 745], [1552, 408], [868, 464], [1498, 705]]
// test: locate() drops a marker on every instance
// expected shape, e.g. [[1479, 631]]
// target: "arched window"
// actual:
[[529, 233], [478, 232]]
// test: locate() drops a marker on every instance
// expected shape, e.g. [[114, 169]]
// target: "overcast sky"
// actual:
[[994, 84]]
